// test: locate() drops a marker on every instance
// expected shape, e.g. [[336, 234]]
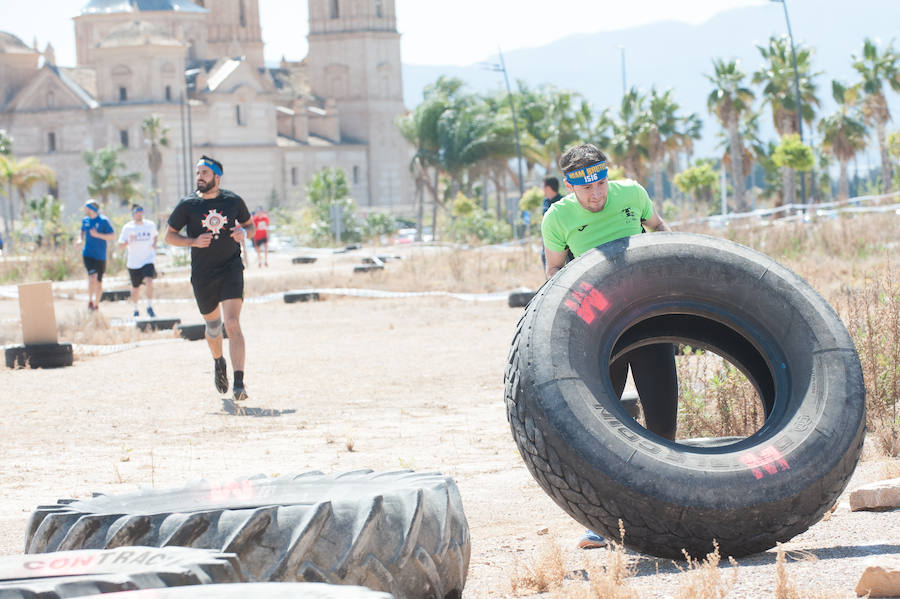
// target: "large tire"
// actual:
[[78, 573], [400, 532], [39, 355], [256, 590], [601, 466]]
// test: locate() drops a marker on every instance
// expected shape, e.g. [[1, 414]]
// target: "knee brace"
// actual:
[[214, 328]]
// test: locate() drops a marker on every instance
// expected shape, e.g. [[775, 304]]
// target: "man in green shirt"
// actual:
[[597, 211]]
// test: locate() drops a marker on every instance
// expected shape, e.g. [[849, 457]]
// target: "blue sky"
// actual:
[[459, 32]]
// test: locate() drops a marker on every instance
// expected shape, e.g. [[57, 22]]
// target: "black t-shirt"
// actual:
[[219, 216]]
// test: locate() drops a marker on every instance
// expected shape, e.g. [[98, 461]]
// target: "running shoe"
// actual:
[[150, 312], [220, 376], [240, 393], [591, 540]]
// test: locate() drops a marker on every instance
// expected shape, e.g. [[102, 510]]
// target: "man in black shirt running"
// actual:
[[217, 222]]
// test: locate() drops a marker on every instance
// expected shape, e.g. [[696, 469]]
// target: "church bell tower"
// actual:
[[354, 59]]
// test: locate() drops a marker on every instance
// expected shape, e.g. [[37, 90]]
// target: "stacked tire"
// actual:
[[403, 532]]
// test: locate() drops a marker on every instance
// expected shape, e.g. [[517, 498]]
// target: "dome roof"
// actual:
[[10, 44], [99, 7], [138, 33]]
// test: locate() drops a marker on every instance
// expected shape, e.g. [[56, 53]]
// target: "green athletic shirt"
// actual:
[[567, 224]]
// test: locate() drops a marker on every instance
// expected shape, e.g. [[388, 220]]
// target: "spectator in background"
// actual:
[[139, 236], [551, 196], [261, 235], [96, 230]]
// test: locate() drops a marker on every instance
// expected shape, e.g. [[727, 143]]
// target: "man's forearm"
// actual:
[[173, 238]]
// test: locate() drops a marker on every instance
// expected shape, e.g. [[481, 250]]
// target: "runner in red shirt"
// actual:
[[261, 236]]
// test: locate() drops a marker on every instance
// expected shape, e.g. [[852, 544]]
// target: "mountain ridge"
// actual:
[[681, 54]]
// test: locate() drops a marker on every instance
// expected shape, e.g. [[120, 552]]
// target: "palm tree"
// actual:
[[844, 132], [20, 176], [157, 136], [106, 180], [777, 79], [629, 134], [662, 135], [876, 71], [729, 101]]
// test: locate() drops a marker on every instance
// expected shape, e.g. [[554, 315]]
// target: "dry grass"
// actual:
[[93, 328], [715, 398], [705, 579], [544, 572], [873, 316]]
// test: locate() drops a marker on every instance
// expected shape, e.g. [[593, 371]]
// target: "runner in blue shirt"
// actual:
[[96, 230]]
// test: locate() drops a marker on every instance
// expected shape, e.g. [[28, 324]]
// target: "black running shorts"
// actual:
[[94, 266], [229, 285], [147, 271]]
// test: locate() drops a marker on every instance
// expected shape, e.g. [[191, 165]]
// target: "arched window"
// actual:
[[335, 9], [243, 13], [51, 100], [378, 10]]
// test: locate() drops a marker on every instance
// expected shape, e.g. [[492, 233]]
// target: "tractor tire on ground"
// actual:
[[255, 590], [39, 355], [157, 324], [195, 332], [400, 532], [601, 466], [292, 297], [303, 260], [115, 295], [519, 299], [89, 572]]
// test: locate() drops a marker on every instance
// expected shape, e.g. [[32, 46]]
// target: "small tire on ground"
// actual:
[[265, 590], [400, 532], [157, 324], [115, 295], [602, 467], [368, 267], [292, 297], [39, 355], [303, 260], [92, 571], [195, 332], [519, 299]]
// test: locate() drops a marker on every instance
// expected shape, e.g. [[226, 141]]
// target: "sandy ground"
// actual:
[[337, 385]]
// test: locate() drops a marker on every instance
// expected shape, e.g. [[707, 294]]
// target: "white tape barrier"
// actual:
[[796, 212]]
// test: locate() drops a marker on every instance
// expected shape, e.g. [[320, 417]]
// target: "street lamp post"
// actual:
[[501, 68], [787, 21], [622, 52]]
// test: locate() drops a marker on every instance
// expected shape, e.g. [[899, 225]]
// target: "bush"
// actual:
[[480, 226]]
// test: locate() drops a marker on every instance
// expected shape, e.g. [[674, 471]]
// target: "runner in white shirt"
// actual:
[[140, 238]]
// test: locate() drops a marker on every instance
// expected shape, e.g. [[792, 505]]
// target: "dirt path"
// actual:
[[337, 385]]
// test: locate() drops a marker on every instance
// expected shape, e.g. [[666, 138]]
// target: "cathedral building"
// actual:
[[199, 66]]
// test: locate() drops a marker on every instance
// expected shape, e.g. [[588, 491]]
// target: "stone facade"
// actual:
[[199, 65]]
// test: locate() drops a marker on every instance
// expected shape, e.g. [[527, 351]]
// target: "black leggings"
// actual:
[[653, 370]]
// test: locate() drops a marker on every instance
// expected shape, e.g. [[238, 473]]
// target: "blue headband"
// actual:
[[211, 165], [587, 175]]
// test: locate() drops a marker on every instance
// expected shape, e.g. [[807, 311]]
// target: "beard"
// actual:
[[204, 186]]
